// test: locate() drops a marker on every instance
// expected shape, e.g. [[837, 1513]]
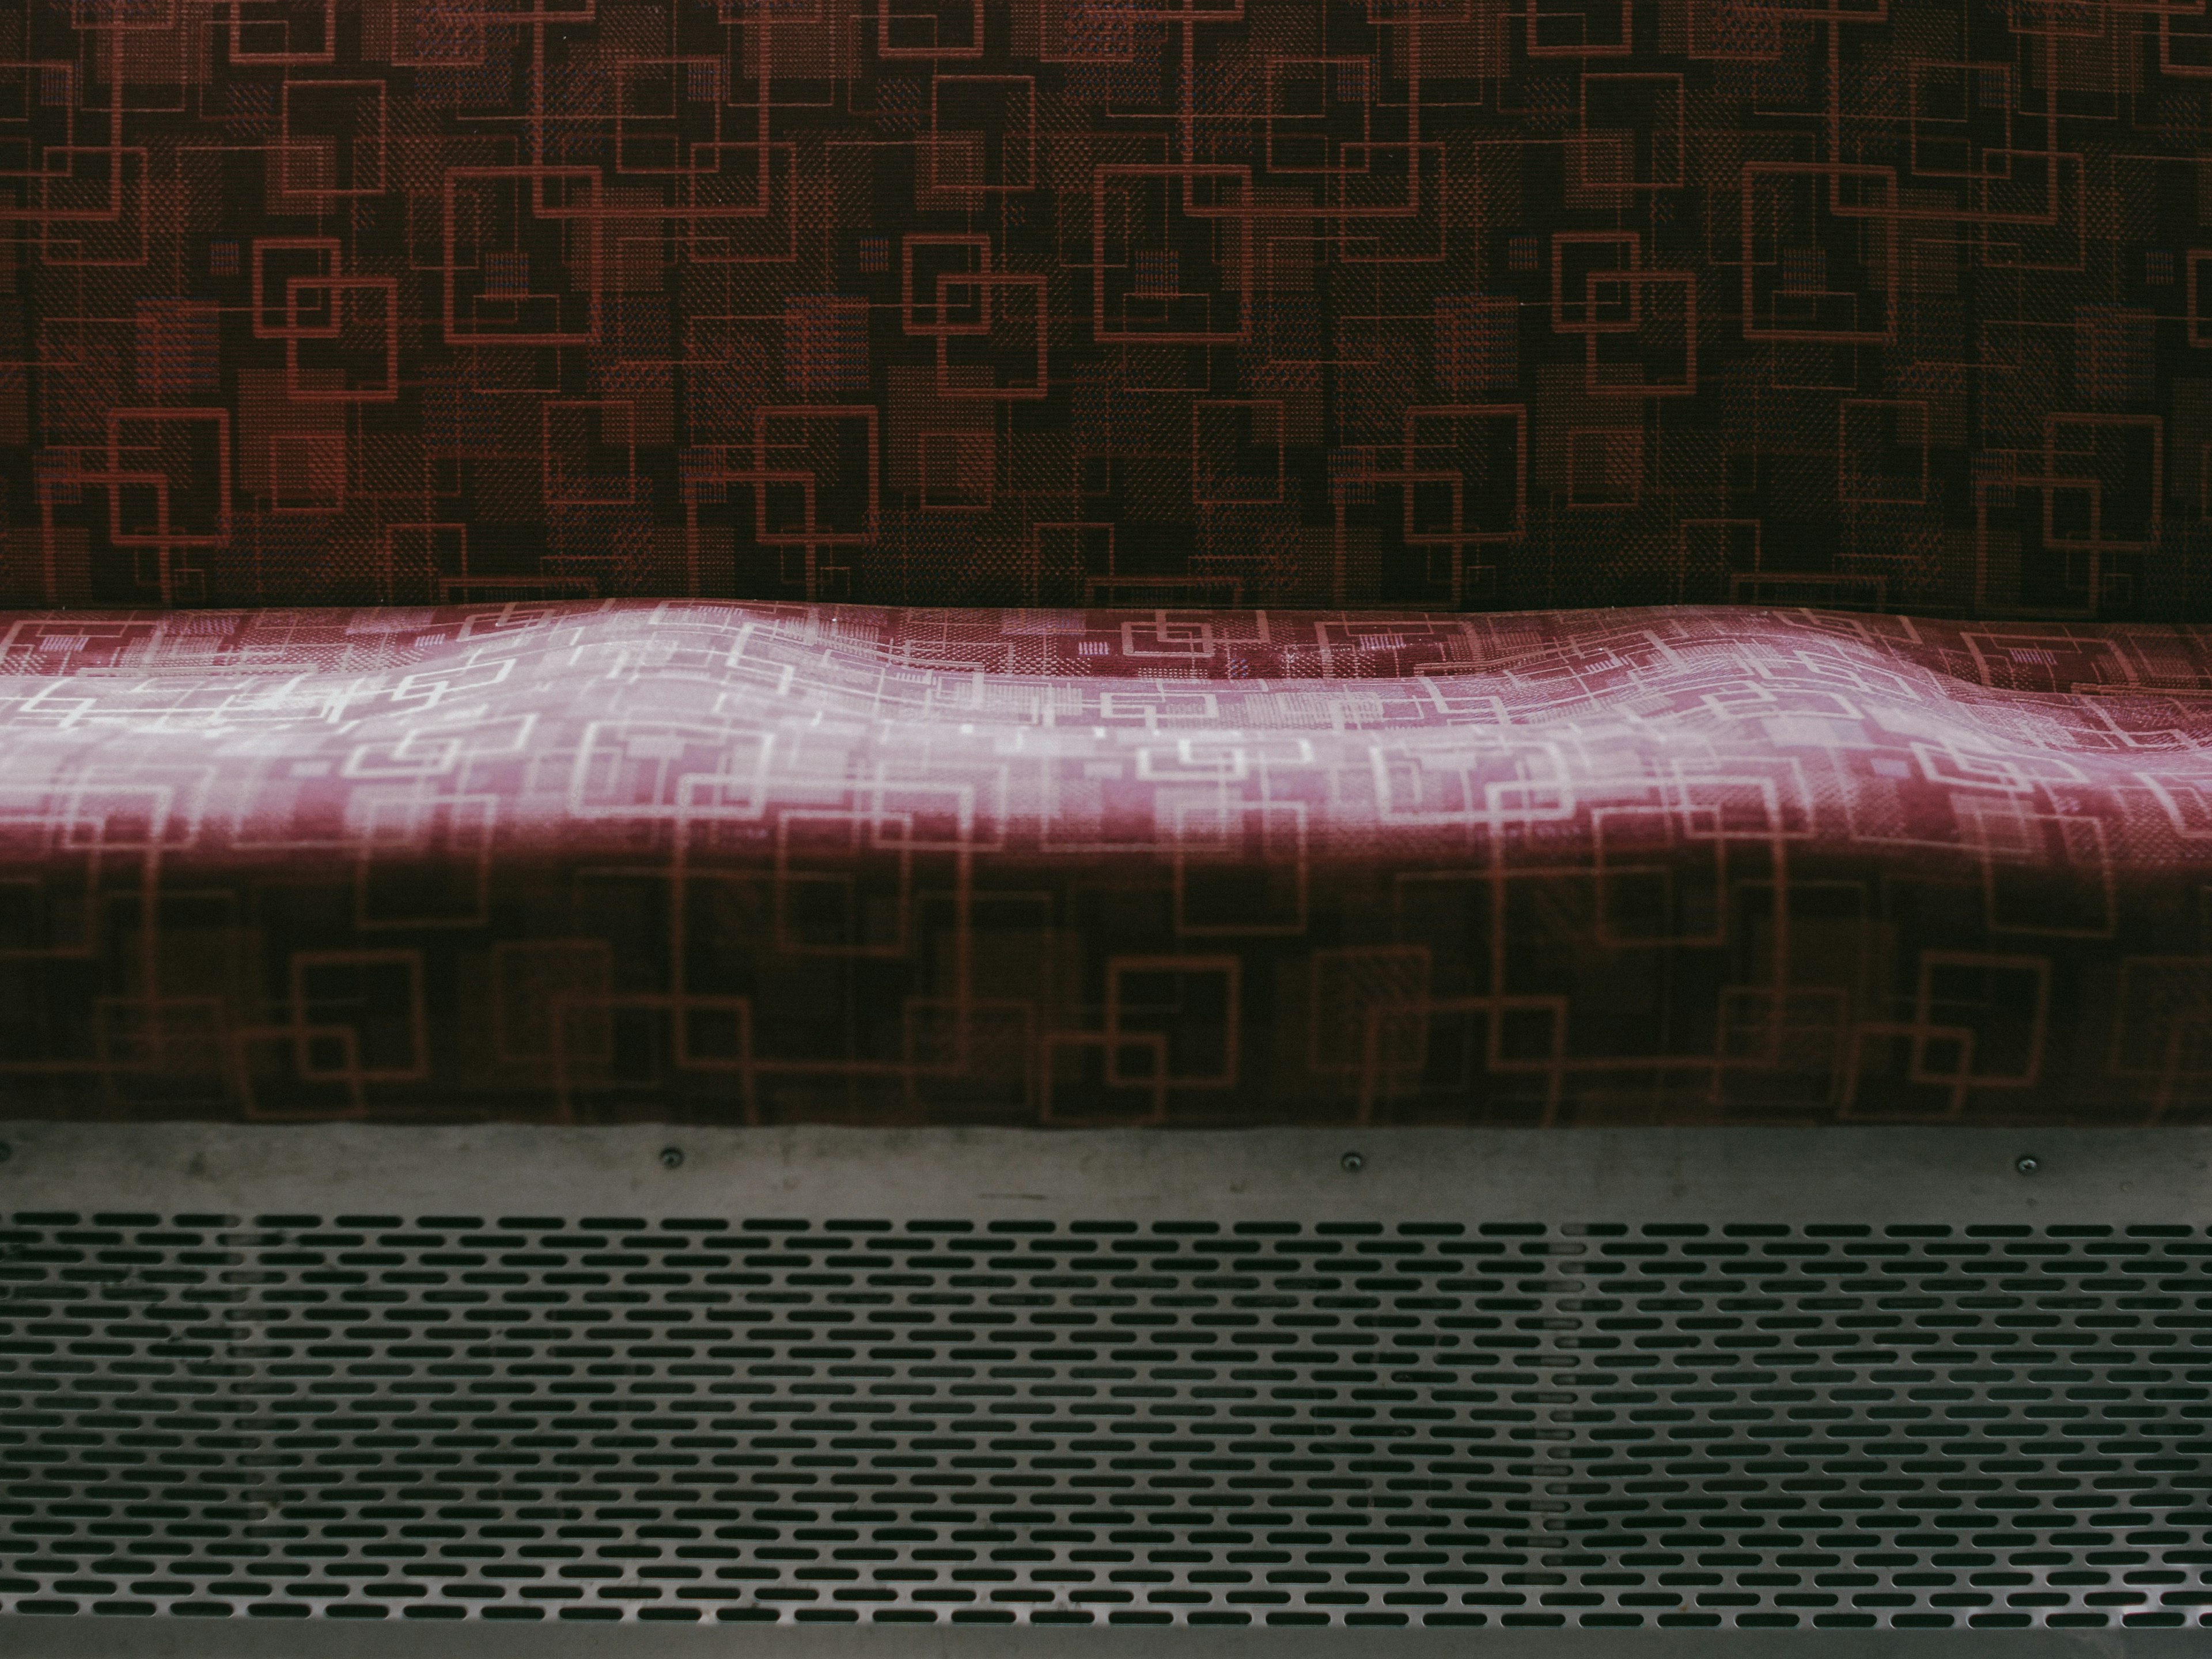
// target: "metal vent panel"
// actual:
[[1401, 1392], [1426, 1424]]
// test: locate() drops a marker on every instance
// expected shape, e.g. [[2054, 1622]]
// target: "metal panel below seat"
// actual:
[[354, 1391]]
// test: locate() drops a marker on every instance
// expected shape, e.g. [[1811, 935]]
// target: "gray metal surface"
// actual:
[[806, 1387], [1846, 1175]]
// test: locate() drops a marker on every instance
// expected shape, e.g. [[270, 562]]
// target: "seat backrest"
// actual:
[[1066, 303]]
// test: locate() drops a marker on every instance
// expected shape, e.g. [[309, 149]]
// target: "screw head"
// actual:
[[671, 1156], [1354, 1163], [2027, 1163]]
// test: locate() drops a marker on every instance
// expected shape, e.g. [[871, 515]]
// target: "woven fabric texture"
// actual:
[[728, 863], [1880, 305]]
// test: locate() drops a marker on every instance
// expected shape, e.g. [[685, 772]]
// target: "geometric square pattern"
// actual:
[[1440, 305], [606, 859]]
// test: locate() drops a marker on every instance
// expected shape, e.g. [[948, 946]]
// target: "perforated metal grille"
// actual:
[[919, 1421]]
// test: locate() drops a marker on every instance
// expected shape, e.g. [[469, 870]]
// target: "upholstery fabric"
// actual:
[[1449, 304], [687, 859]]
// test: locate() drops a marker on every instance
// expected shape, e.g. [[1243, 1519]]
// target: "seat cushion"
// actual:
[[740, 863]]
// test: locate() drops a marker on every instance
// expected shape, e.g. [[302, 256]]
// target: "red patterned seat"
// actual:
[[760, 862], [633, 340]]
